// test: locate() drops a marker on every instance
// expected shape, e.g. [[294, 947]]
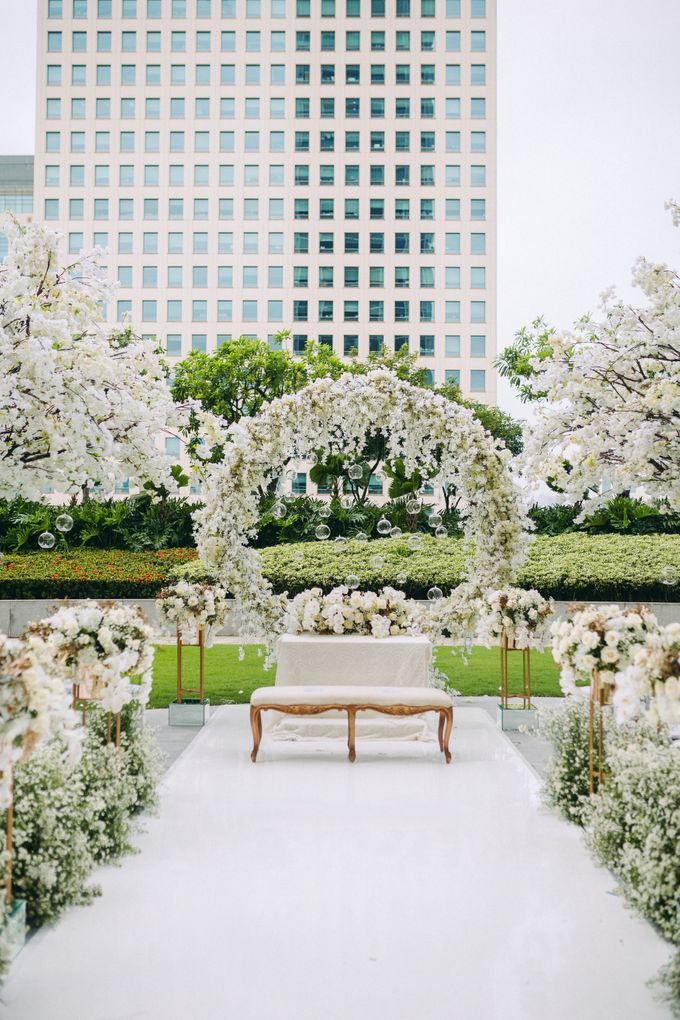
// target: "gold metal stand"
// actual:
[[600, 698], [80, 702], [109, 727], [9, 851], [184, 692], [506, 693]]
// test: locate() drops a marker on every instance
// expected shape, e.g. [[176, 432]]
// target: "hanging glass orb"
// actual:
[[313, 459], [395, 532], [434, 520], [340, 543], [434, 593], [377, 563], [414, 542], [668, 575], [401, 579], [279, 511], [46, 540], [384, 526], [356, 472], [64, 522], [347, 502], [289, 474], [361, 536], [325, 510], [440, 532], [413, 506], [322, 532], [352, 581]]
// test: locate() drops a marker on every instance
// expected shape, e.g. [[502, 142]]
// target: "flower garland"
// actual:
[[383, 614], [523, 615], [104, 644], [431, 434], [198, 604], [34, 707], [650, 684], [602, 638]]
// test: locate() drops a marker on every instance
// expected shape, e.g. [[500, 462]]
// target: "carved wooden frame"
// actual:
[[444, 733]]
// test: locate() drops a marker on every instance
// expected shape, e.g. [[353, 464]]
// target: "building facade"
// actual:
[[322, 166], [16, 191]]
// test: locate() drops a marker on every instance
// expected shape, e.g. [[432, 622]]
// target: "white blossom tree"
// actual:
[[607, 397], [79, 405]]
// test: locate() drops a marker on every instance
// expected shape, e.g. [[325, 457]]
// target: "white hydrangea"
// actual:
[[523, 615], [386, 613], [104, 645], [34, 707], [650, 684], [188, 604]]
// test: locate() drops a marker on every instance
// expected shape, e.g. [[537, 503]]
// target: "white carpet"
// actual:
[[306, 888]]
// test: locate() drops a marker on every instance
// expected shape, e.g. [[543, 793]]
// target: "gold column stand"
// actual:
[[189, 692], [600, 697], [506, 694]]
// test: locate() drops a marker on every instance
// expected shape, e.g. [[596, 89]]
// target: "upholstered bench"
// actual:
[[389, 700]]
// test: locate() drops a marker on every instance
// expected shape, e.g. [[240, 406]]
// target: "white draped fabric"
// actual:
[[351, 659]]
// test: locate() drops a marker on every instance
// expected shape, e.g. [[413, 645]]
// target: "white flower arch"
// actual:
[[337, 416]]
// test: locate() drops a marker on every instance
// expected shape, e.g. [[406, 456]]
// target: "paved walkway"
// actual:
[[306, 888]]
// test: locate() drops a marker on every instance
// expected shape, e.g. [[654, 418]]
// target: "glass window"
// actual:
[[478, 311], [427, 346], [453, 42], [453, 141], [478, 108], [477, 380], [301, 276], [278, 42], [54, 74], [452, 346], [54, 8], [103, 42], [54, 42], [427, 8], [79, 42], [452, 8], [203, 42], [453, 108], [427, 74], [252, 42], [128, 74], [478, 244], [128, 42], [452, 277], [51, 209], [403, 74], [452, 311], [452, 207], [478, 208], [478, 74], [228, 42], [477, 346]]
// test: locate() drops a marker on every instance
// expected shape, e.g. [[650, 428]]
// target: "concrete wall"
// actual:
[[15, 614]]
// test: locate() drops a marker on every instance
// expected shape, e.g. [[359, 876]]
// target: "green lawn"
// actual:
[[227, 679]]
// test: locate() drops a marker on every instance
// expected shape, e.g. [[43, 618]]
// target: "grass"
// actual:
[[229, 679]]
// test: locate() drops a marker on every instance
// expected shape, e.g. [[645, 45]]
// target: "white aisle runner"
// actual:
[[306, 888]]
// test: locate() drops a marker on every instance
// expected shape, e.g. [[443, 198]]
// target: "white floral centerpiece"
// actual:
[[385, 613], [650, 684], [600, 639], [188, 605], [523, 615], [454, 616], [34, 707], [104, 644]]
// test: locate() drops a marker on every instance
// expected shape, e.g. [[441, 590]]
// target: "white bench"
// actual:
[[314, 700]]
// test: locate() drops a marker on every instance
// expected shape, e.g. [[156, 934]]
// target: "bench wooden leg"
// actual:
[[256, 726], [442, 720], [351, 732], [448, 712]]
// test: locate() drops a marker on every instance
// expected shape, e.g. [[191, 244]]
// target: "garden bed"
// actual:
[[569, 567]]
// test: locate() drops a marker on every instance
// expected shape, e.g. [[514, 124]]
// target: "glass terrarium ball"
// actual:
[[340, 543], [434, 520], [669, 575], [434, 593], [377, 563], [322, 532], [46, 540], [355, 472], [401, 579], [384, 526], [361, 536], [395, 532], [347, 502], [298, 556], [352, 581], [279, 511], [413, 506], [325, 510], [440, 532], [64, 522], [414, 542]]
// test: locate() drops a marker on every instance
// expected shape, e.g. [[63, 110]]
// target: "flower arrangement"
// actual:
[[431, 434], [193, 604], [651, 682], [454, 616], [599, 638], [33, 708], [103, 644], [385, 613], [520, 614]]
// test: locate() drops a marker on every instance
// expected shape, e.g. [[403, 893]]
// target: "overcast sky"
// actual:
[[589, 145]]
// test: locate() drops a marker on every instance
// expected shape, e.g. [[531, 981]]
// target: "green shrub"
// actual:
[[87, 573]]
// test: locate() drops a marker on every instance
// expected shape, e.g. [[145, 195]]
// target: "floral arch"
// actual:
[[441, 439]]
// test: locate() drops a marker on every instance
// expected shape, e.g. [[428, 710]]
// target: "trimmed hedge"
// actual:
[[88, 573], [569, 567]]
